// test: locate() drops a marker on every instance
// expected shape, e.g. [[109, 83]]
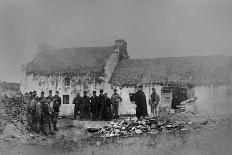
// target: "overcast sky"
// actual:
[[152, 28]]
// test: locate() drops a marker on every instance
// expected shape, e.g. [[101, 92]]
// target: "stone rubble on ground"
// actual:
[[130, 126]]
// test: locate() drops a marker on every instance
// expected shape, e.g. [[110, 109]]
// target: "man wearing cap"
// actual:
[[84, 107], [77, 102], [94, 106], [56, 108], [47, 117], [50, 95], [141, 103], [33, 110], [116, 98], [38, 113], [154, 101], [101, 103]]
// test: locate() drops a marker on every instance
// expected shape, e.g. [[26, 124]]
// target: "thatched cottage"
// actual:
[[69, 70]]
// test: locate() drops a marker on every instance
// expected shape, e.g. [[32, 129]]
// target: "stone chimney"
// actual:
[[121, 47]]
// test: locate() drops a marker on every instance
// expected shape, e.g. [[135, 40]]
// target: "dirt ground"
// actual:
[[211, 139]]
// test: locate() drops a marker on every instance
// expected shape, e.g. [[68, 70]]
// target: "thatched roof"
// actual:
[[70, 60], [194, 69]]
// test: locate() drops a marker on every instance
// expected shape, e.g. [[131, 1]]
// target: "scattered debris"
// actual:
[[130, 126]]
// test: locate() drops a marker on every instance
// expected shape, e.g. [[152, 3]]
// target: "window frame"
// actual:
[[66, 99], [67, 81]]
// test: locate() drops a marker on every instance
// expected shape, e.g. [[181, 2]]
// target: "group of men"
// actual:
[[42, 112], [97, 107]]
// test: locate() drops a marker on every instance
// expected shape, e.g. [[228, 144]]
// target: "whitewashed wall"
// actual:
[[213, 100], [83, 83]]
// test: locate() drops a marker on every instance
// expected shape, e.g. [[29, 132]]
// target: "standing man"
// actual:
[[107, 108], [29, 117], [42, 97], [116, 98], [38, 115], [56, 108], [154, 101], [33, 111], [47, 117], [50, 95], [101, 104], [94, 106], [85, 106], [141, 104], [77, 102]]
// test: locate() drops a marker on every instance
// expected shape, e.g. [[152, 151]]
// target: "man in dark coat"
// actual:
[[94, 106], [141, 103], [107, 108], [56, 108], [84, 107], [101, 99], [77, 102]]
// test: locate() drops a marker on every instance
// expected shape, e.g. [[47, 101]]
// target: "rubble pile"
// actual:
[[130, 126], [13, 110]]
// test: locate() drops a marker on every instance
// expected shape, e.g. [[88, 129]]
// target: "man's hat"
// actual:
[[101, 90], [42, 92], [140, 86], [94, 92], [115, 89]]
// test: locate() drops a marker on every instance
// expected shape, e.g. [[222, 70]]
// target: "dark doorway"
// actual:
[[179, 94]]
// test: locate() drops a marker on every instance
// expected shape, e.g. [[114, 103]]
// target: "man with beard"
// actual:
[[141, 103], [94, 106], [85, 106], [77, 102]]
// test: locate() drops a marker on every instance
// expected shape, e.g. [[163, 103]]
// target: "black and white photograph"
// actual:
[[115, 77]]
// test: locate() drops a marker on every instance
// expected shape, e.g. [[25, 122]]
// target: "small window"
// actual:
[[65, 99], [66, 81], [132, 96]]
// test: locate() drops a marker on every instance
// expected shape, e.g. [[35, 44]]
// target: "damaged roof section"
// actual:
[[72, 60], [197, 70]]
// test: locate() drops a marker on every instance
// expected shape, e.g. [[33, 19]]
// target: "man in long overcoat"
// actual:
[[94, 106], [141, 103], [85, 107], [101, 99], [77, 102]]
